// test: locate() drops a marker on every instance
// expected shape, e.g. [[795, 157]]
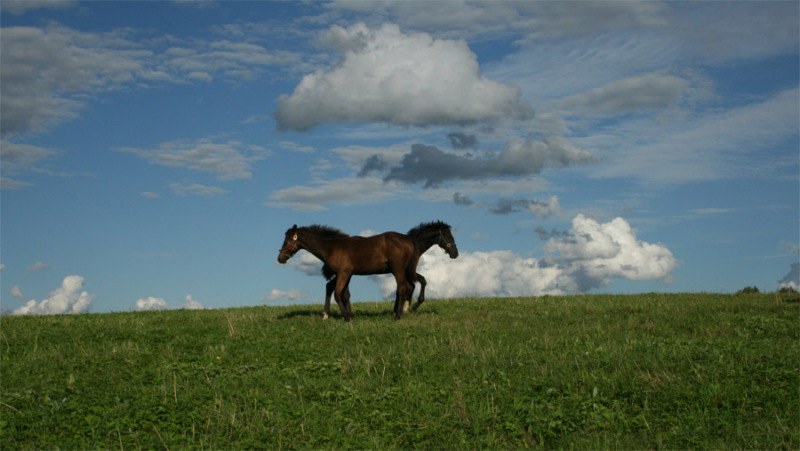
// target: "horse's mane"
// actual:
[[324, 231], [427, 227]]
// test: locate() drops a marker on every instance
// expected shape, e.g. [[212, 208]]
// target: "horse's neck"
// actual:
[[319, 247], [423, 243]]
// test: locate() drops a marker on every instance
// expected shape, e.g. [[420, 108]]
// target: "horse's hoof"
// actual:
[[324, 315], [406, 305]]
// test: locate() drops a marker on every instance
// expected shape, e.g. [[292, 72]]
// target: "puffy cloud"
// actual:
[[305, 262], [153, 303], [191, 304], [398, 78], [67, 299], [520, 158], [290, 295], [792, 278], [150, 303], [596, 252], [588, 256], [229, 160]]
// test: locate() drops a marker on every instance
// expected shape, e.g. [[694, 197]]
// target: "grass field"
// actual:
[[599, 371]]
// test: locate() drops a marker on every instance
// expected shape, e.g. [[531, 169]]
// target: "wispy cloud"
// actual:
[[227, 160]]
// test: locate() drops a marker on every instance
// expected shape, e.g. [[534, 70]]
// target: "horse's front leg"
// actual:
[[421, 298]]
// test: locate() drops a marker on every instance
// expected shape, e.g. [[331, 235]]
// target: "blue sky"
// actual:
[[154, 153]]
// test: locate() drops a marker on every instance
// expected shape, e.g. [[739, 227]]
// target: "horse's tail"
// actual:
[[327, 272]]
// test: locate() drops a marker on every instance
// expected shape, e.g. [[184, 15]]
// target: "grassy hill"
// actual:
[[643, 371]]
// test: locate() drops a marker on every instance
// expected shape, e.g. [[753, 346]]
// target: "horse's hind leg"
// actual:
[[329, 287], [342, 296], [402, 295], [421, 298]]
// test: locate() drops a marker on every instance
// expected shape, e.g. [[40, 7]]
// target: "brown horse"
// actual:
[[423, 236], [343, 256]]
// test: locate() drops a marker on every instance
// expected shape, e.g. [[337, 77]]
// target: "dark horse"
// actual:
[[343, 256], [423, 236]]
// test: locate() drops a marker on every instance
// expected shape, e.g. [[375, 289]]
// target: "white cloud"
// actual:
[[191, 304], [792, 278], [289, 295], [153, 303], [228, 160], [595, 252], [150, 303], [398, 78], [588, 256], [67, 299], [306, 262]]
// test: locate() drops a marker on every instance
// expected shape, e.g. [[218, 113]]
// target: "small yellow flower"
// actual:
[[218, 357]]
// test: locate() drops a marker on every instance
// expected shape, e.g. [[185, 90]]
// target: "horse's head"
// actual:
[[291, 245], [447, 242]]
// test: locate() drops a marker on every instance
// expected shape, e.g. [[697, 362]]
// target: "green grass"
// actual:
[[643, 371]]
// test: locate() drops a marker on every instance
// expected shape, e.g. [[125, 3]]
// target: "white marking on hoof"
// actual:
[[324, 315], [406, 304]]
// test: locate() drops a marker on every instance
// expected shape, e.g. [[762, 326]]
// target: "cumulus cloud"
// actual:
[[290, 295], [191, 304], [519, 158], [596, 252], [150, 303], [306, 263], [228, 160], [67, 299], [589, 255], [792, 278], [397, 78]]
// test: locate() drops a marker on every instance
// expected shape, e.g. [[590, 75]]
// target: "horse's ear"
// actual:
[[294, 227]]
